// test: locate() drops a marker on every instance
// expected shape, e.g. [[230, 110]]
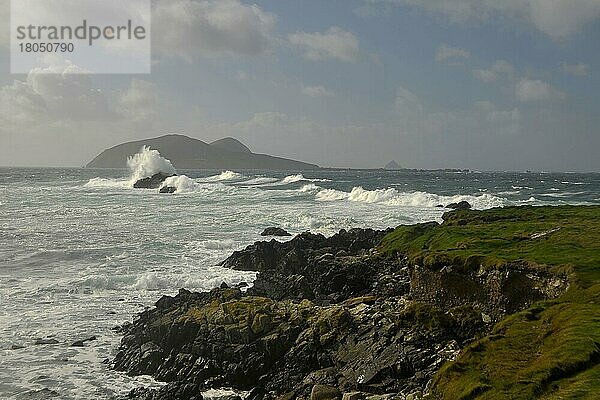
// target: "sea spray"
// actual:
[[224, 176], [147, 163], [181, 183], [392, 197]]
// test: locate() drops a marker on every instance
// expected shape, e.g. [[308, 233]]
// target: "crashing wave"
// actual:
[[108, 183], [258, 181], [392, 197], [181, 183], [147, 163], [224, 176]]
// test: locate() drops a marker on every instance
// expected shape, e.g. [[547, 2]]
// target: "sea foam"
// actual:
[[181, 183], [224, 176], [393, 197], [148, 162]]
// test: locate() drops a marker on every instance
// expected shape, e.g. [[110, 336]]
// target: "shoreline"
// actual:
[[360, 314]]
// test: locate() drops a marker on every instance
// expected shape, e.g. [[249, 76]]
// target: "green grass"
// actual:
[[549, 351]]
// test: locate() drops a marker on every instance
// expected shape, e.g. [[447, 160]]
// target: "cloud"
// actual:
[[187, 28], [450, 54], [139, 103], [317, 91], [335, 43], [53, 93], [528, 90], [556, 18], [579, 69], [499, 70]]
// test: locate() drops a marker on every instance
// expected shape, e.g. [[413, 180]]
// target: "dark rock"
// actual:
[[171, 391], [80, 343], [41, 341], [324, 316], [257, 393], [325, 392], [42, 394], [152, 182], [440, 206], [168, 189], [354, 396], [461, 205], [305, 266], [273, 231], [16, 347], [224, 285]]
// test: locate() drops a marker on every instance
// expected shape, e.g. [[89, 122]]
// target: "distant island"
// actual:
[[393, 165], [189, 153]]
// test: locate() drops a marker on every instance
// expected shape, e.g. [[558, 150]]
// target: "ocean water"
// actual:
[[81, 251]]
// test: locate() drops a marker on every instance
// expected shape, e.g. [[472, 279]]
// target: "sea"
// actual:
[[82, 252]]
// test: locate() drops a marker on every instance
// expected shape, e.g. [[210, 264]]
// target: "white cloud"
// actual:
[[499, 70], [187, 28], [556, 18], [579, 69], [335, 43], [451, 54], [317, 91], [53, 93], [528, 90]]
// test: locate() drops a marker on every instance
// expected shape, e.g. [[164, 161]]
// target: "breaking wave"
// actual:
[[181, 183], [142, 165], [392, 197], [108, 183], [259, 181], [224, 176], [147, 163]]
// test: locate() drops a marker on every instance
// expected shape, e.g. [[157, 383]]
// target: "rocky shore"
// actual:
[[327, 318]]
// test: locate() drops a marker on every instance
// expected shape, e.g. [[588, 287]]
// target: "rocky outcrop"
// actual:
[[274, 231], [326, 318], [168, 189], [313, 267], [461, 205], [153, 182]]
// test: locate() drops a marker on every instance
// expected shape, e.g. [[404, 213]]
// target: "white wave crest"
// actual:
[[258, 181], [210, 278], [292, 178], [224, 176], [108, 183], [181, 183], [147, 163], [310, 188], [392, 197]]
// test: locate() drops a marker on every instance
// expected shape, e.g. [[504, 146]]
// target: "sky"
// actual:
[[508, 85]]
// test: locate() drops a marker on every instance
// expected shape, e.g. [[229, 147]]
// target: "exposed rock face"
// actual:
[[326, 317], [152, 182], [168, 189], [461, 205], [312, 266], [273, 231]]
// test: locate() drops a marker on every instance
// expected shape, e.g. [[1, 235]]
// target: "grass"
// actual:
[[549, 351]]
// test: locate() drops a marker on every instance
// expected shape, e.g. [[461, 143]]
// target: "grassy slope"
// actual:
[[549, 351]]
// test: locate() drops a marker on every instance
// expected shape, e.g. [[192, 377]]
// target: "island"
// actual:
[[189, 153]]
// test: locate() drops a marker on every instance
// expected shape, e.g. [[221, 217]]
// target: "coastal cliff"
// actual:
[[489, 303]]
